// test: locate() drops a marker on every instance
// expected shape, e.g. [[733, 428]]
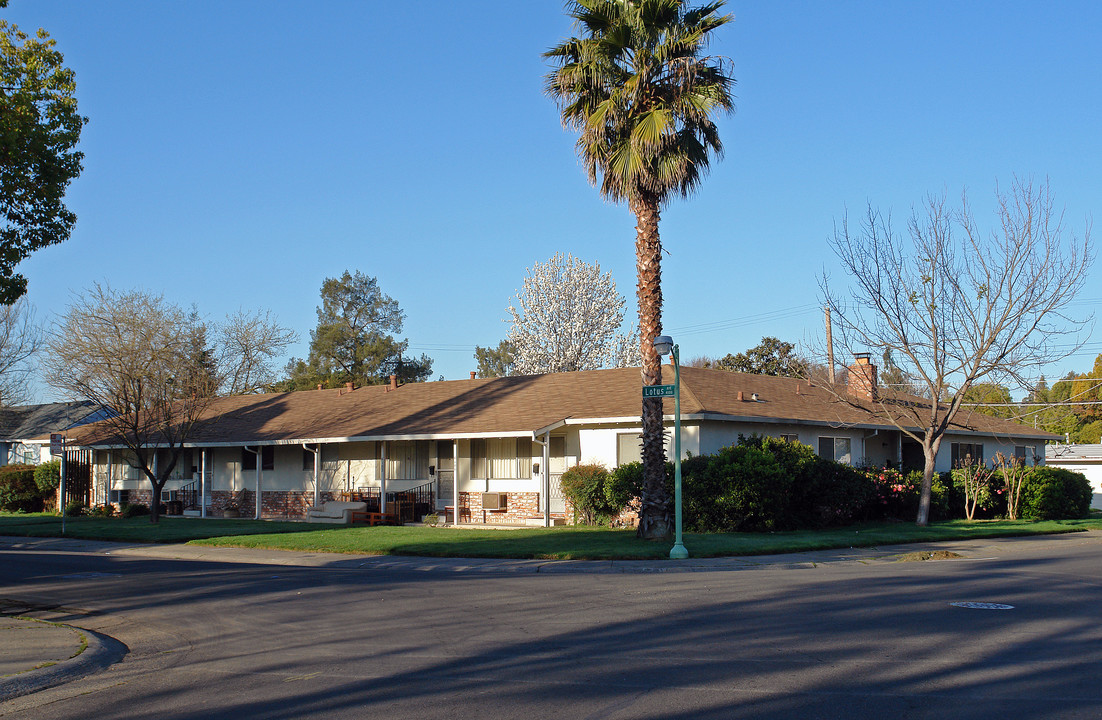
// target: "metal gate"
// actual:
[[78, 478]]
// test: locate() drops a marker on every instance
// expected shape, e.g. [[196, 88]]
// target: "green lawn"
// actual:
[[553, 543]]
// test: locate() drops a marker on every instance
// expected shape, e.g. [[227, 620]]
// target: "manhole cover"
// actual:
[[982, 606]]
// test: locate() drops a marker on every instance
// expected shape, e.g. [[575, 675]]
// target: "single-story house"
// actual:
[[498, 446], [25, 429], [1086, 459]]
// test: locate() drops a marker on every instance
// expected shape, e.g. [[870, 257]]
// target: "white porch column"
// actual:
[[259, 463], [382, 479], [203, 483], [110, 478], [546, 468], [455, 480]]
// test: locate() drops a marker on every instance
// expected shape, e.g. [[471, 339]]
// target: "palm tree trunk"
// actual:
[[654, 515]]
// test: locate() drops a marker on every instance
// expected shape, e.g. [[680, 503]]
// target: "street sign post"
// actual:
[[57, 447], [652, 391]]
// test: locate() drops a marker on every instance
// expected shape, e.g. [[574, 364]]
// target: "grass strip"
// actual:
[[562, 543]]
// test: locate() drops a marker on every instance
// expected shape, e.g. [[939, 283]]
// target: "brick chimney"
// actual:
[[393, 382], [473, 373], [862, 377]]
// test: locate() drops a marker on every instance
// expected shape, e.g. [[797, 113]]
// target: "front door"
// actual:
[[445, 474]]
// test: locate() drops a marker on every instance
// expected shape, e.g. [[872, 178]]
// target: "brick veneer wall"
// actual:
[[290, 504], [140, 497], [519, 506]]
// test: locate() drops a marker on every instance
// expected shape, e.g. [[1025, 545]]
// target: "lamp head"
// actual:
[[663, 344]]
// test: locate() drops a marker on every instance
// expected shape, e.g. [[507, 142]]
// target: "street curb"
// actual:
[[102, 652]]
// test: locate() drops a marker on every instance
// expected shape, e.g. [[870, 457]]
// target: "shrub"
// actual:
[[1055, 494], [47, 477], [18, 492], [740, 488], [75, 508], [823, 492], [584, 486], [106, 510], [829, 493], [129, 510], [623, 485]]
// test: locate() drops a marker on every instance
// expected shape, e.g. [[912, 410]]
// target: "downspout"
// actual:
[[203, 483], [317, 454]]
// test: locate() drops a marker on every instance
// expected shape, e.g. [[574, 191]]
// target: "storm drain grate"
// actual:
[[982, 605]]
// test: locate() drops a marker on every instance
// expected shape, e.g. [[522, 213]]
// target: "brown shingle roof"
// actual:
[[521, 405]]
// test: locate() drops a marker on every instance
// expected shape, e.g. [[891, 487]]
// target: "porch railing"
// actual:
[[409, 505], [188, 494]]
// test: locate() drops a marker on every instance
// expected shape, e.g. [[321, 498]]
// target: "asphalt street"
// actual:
[[819, 635]]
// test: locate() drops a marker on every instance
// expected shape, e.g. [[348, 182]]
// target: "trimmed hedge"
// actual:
[[1054, 494], [766, 484]]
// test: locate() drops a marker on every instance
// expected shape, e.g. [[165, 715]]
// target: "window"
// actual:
[[961, 453], [267, 459], [1021, 452], [629, 448], [835, 448], [307, 459], [790, 438], [407, 460], [120, 497], [498, 458]]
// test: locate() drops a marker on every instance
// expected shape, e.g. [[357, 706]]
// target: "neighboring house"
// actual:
[[25, 430], [1086, 459], [504, 442]]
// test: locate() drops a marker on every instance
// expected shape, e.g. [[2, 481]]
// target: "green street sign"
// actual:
[[653, 391]]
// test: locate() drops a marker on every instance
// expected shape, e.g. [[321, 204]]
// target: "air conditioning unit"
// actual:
[[493, 501]]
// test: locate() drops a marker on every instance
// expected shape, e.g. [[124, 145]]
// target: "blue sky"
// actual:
[[240, 152]]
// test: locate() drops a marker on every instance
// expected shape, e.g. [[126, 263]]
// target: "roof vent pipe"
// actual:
[[350, 386], [754, 397]]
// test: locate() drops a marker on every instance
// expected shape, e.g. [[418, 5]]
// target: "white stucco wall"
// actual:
[[1093, 473]]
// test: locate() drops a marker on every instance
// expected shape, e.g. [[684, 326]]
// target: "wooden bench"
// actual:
[[373, 518]]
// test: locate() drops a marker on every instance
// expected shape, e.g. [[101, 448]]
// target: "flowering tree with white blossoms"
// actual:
[[567, 317]]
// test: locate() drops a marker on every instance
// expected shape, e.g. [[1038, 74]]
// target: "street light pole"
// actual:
[[664, 344], [679, 551]]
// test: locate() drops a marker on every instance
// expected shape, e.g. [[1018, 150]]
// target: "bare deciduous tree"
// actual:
[[249, 342], [957, 305], [569, 319], [20, 338], [149, 362]]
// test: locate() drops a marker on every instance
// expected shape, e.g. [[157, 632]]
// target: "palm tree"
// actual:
[[641, 94]]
